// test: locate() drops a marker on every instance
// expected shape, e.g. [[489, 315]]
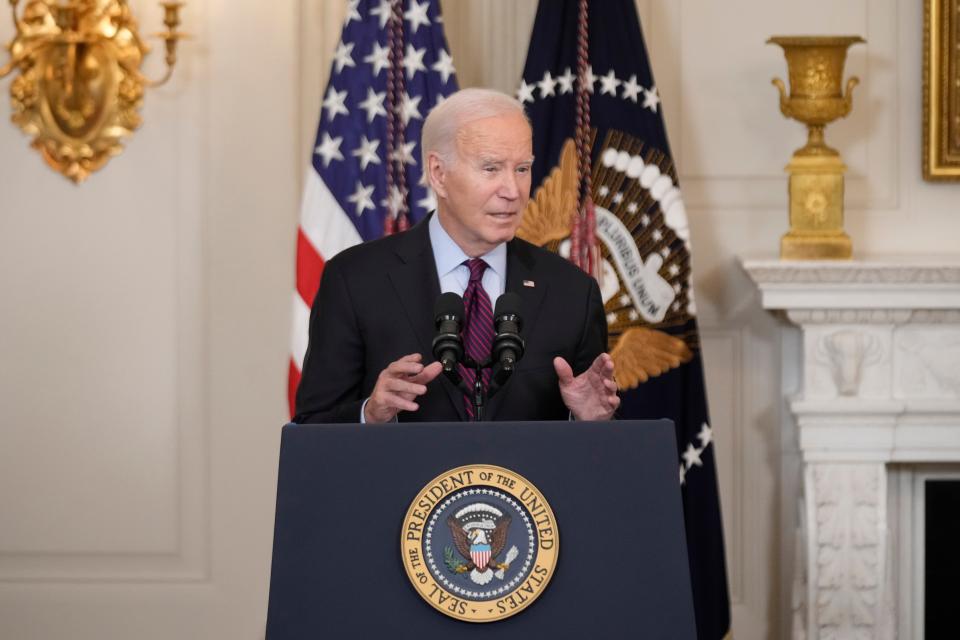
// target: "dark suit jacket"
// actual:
[[375, 304]]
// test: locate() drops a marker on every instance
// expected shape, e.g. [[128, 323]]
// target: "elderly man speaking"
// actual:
[[372, 325]]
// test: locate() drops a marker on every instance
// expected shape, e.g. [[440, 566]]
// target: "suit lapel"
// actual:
[[522, 280], [418, 287]]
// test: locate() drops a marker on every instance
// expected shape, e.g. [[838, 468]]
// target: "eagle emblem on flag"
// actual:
[[637, 205]]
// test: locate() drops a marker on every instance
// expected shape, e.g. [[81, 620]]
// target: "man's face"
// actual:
[[482, 195]]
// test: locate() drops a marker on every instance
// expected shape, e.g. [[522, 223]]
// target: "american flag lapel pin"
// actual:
[[529, 283]]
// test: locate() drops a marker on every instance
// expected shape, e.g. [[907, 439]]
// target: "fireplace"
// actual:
[[878, 423]]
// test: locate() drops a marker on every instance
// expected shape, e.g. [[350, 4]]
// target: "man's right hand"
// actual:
[[398, 386]]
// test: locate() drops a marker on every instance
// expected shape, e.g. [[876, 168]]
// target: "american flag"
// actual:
[[345, 198]]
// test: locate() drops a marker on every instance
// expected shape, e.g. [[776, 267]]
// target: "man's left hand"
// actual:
[[592, 395]]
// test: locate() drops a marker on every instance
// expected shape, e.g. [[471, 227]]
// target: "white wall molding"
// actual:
[[118, 487]]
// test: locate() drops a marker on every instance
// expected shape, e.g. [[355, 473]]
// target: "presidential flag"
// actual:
[[346, 199], [643, 239]]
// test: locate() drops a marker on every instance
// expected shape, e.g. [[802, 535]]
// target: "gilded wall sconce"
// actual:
[[79, 88]]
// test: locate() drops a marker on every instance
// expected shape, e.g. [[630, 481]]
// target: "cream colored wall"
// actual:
[[143, 350], [145, 313]]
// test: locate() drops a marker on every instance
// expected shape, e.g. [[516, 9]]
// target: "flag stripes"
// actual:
[[346, 197]]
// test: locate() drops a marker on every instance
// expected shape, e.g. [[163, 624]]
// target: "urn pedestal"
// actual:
[[816, 210]]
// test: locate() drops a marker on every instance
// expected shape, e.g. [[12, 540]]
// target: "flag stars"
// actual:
[[705, 435], [413, 60], [633, 315], [632, 208], [410, 108], [444, 65], [665, 252], [566, 81], [657, 235], [334, 103], [651, 99], [329, 149], [362, 198], [352, 13], [603, 191], [373, 105], [624, 299], [379, 58], [631, 90], [677, 288], [416, 15], [429, 201], [589, 79], [617, 197], [367, 152], [611, 318], [525, 92], [645, 220], [395, 201], [609, 84], [692, 456], [404, 153], [383, 11], [547, 85], [342, 57], [674, 270]]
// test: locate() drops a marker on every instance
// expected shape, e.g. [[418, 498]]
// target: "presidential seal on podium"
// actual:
[[479, 543]]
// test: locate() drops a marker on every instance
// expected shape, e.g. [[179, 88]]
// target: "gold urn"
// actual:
[[816, 98]]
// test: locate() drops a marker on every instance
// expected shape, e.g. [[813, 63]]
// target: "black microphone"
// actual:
[[448, 345], [507, 344]]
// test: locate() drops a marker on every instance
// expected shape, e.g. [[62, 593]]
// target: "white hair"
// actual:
[[461, 108]]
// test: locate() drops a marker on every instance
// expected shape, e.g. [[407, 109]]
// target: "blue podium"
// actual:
[[345, 491]]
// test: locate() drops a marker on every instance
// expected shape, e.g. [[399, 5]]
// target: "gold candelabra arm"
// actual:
[[7, 68], [28, 49], [171, 37], [784, 98], [11, 64], [13, 11]]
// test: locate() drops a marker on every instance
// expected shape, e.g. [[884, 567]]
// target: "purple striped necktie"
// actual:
[[478, 334]]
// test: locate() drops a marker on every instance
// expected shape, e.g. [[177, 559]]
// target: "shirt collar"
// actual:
[[448, 254]]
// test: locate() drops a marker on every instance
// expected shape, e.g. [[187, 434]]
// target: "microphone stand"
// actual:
[[478, 397], [478, 394]]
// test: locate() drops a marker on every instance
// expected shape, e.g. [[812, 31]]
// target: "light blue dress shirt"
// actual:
[[454, 275]]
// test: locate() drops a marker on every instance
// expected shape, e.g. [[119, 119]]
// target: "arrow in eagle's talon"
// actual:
[[511, 556]]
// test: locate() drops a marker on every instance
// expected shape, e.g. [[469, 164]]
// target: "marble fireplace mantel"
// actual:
[[880, 372]]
